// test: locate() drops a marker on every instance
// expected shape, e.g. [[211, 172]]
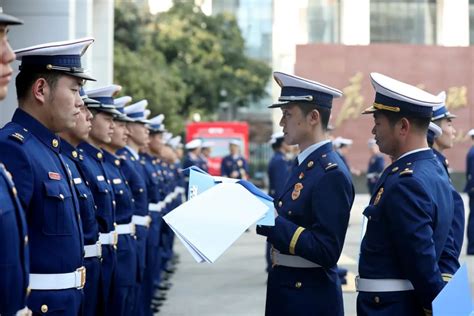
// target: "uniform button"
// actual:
[[370, 217], [95, 206], [44, 308], [133, 200], [85, 196], [106, 191], [61, 196], [298, 285], [87, 183], [377, 299], [26, 240], [28, 291], [135, 236], [289, 213], [121, 191], [280, 204], [141, 190], [113, 202]]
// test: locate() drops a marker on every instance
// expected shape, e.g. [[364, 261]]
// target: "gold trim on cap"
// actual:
[[379, 106]]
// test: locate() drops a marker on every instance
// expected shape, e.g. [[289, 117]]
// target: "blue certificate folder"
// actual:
[[200, 181], [455, 298]]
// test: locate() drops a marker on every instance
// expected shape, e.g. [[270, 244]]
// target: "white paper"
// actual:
[[213, 220]]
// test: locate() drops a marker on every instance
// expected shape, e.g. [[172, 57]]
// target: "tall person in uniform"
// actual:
[[93, 165], [234, 165], [410, 215], [48, 87], [443, 119], [70, 139], [312, 210], [469, 189], [13, 231], [278, 173], [375, 167]]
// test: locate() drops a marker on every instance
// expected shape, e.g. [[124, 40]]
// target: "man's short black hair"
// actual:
[[25, 80], [324, 112], [277, 144], [420, 123]]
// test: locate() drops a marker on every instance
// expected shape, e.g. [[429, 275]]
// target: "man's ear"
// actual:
[[404, 125], [314, 117], [40, 90]]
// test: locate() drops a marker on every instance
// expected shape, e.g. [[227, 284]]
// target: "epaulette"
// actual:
[[406, 172], [326, 163], [20, 135]]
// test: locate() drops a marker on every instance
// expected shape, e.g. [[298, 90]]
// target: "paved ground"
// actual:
[[236, 283]]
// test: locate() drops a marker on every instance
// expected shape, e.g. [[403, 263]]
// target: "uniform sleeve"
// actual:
[[18, 164], [224, 171], [410, 224], [321, 243], [449, 260]]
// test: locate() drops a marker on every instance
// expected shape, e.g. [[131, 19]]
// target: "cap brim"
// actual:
[[79, 75], [9, 19], [89, 102], [123, 118], [278, 104], [371, 109]]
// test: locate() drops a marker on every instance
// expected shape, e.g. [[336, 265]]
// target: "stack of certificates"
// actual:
[[218, 211]]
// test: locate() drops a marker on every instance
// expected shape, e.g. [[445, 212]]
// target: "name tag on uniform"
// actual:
[[54, 175], [77, 180], [100, 178], [117, 181]]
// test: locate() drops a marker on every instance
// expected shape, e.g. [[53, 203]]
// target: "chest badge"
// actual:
[[297, 191], [54, 175], [379, 195]]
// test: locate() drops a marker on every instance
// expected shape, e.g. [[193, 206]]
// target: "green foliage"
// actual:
[[182, 61]]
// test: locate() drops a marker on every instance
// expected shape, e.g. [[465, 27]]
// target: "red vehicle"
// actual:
[[219, 134]]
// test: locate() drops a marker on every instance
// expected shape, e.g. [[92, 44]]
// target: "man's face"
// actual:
[[156, 142], [385, 134], [6, 58], [234, 149], [120, 135], [83, 124], [446, 140], [102, 128], [63, 103], [295, 124], [139, 134]]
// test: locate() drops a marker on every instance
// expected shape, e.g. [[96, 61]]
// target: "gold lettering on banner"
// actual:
[[456, 97], [353, 101]]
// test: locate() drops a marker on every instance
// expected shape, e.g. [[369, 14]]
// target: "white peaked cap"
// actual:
[[122, 101], [195, 143], [157, 119]]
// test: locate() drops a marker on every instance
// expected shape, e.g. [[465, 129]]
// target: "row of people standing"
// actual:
[[88, 182]]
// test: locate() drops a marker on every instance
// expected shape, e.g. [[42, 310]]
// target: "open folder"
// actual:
[[216, 215], [455, 298]]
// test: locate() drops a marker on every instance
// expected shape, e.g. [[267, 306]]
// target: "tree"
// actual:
[[182, 61]]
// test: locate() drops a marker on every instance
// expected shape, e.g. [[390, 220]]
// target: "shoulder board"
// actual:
[[19, 134], [406, 172], [327, 162]]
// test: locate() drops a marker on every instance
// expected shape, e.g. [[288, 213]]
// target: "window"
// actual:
[[403, 21], [323, 21]]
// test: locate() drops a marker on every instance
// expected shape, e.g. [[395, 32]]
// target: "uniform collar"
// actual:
[[92, 151], [412, 152], [109, 157], [133, 152], [305, 153], [69, 150], [45, 135]]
